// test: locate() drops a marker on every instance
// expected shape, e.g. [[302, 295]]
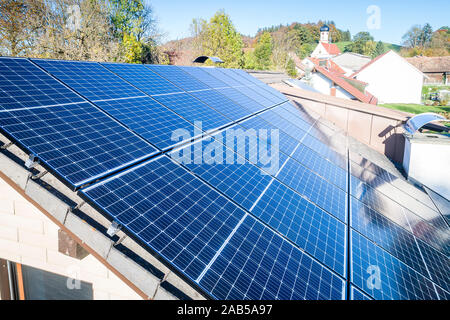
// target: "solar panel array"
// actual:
[[323, 223]]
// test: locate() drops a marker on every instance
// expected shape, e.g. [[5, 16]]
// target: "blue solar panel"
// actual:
[[325, 151], [205, 77], [193, 110], [143, 78], [257, 264], [240, 180], [284, 125], [253, 87], [384, 277], [391, 237], [316, 189], [241, 99], [77, 141], [148, 118], [326, 169], [171, 211], [23, 85], [178, 77], [358, 295], [222, 104], [216, 72], [90, 79], [438, 265], [312, 229]]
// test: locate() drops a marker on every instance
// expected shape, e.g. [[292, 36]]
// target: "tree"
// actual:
[[426, 35], [263, 51], [379, 49], [346, 36], [412, 38], [363, 37], [20, 20], [291, 69], [221, 39]]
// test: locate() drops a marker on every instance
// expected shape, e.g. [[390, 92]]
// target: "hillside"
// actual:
[[388, 46]]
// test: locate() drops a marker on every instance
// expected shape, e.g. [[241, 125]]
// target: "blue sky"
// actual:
[[396, 17]]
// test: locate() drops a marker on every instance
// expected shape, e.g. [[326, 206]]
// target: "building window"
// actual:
[[20, 282]]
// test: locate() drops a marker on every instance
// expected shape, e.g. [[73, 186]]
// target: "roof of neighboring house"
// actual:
[[330, 65], [351, 60], [334, 73], [343, 82], [379, 58], [331, 48], [431, 64]]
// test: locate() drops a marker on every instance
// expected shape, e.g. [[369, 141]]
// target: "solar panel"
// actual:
[[195, 228], [90, 79], [205, 77], [143, 78], [256, 264], [148, 118], [384, 277], [312, 229], [178, 77], [222, 104], [22, 85], [193, 110], [235, 228], [77, 141]]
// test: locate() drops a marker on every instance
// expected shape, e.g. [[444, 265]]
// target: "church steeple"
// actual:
[[325, 34]]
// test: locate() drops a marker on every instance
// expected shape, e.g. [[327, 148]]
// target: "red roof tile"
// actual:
[[339, 80], [331, 48]]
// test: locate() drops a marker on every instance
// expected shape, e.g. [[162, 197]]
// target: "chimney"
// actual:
[[333, 91]]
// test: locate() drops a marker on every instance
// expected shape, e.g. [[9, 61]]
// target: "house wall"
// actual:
[[323, 85], [393, 80], [28, 237], [320, 52]]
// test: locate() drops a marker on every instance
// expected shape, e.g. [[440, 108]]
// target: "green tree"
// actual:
[[412, 38], [290, 69], [426, 36], [379, 49], [363, 36], [263, 51], [362, 43], [222, 40]]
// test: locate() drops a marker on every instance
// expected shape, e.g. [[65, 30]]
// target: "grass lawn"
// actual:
[[417, 108]]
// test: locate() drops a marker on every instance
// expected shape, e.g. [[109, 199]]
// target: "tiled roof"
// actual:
[[431, 64], [331, 48], [340, 80]]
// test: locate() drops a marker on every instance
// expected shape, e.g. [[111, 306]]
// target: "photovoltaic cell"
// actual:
[[204, 77], [222, 104], [23, 85], [312, 229], [241, 99], [438, 265], [356, 294], [90, 79], [240, 180], [143, 78], [167, 208], [148, 118], [193, 110], [78, 141], [391, 237], [178, 77], [257, 264], [316, 189], [384, 277], [326, 169]]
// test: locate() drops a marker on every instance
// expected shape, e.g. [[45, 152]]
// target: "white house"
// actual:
[[392, 79], [325, 49]]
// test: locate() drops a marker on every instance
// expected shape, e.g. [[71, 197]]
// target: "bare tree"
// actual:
[[20, 21]]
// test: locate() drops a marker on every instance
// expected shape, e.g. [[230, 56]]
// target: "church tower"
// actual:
[[325, 34]]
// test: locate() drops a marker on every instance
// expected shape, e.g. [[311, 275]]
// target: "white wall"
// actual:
[[28, 237], [323, 85], [393, 80], [320, 52], [427, 163]]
